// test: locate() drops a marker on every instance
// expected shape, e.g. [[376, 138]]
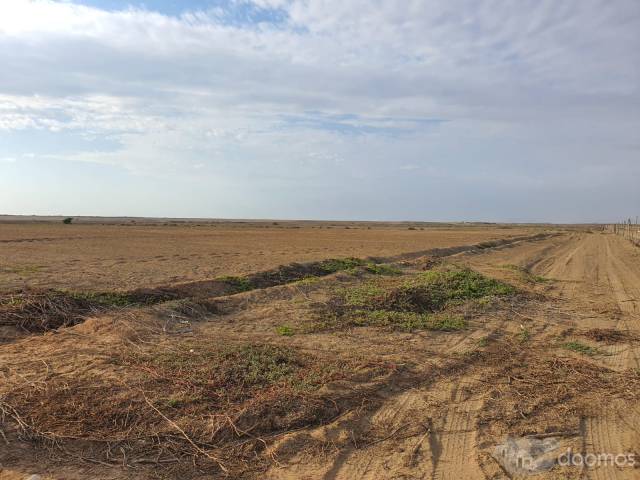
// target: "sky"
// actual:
[[461, 110]]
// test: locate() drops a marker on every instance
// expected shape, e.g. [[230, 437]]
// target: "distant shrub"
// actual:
[[67, 221]]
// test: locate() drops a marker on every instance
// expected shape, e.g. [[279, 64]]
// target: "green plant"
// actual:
[[308, 280], [23, 269], [524, 335], [407, 321], [413, 304], [382, 269], [362, 295], [239, 284], [284, 330], [333, 265], [450, 284], [67, 221], [580, 348]]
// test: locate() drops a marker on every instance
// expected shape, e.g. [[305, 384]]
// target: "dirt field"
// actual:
[[487, 361], [125, 256]]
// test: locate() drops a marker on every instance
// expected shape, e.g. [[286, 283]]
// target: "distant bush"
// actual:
[[67, 221]]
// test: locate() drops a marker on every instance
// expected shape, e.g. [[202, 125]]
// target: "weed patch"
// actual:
[[580, 348], [284, 330], [382, 269], [410, 304], [334, 265], [524, 335], [407, 321], [237, 284], [193, 400]]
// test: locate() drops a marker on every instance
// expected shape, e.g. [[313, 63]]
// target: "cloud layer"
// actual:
[[492, 110]]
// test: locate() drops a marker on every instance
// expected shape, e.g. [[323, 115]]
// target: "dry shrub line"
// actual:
[[43, 311], [184, 434]]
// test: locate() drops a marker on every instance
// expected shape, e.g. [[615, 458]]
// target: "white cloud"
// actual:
[[355, 88]]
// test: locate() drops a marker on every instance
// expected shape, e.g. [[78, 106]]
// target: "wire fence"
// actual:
[[627, 229]]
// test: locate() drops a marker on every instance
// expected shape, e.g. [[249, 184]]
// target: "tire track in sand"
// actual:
[[601, 264]]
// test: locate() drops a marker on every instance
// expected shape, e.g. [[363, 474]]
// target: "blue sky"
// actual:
[[435, 110]]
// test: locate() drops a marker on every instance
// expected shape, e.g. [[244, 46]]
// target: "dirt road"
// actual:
[[591, 287]]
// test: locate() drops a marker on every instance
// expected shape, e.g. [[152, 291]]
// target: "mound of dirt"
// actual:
[[198, 401]]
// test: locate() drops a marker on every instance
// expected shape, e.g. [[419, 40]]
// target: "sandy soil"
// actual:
[[452, 398], [118, 257]]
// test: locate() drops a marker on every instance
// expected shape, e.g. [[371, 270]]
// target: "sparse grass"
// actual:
[[429, 292], [581, 348], [22, 269], [382, 269], [12, 301], [446, 323], [106, 299], [524, 335], [41, 311], [308, 280], [239, 284], [483, 342], [224, 369], [525, 274], [362, 295], [416, 303], [488, 244], [222, 398], [333, 265], [454, 284], [539, 279], [284, 330], [408, 321]]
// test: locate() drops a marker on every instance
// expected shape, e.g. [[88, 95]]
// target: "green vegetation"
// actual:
[[234, 373], [284, 330], [67, 221], [246, 365], [22, 269], [413, 304], [456, 284], [407, 321], [333, 265], [581, 348], [524, 335], [308, 280], [362, 295], [382, 269], [239, 284], [107, 299]]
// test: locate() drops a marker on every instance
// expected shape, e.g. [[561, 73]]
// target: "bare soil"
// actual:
[[343, 374], [125, 256]]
